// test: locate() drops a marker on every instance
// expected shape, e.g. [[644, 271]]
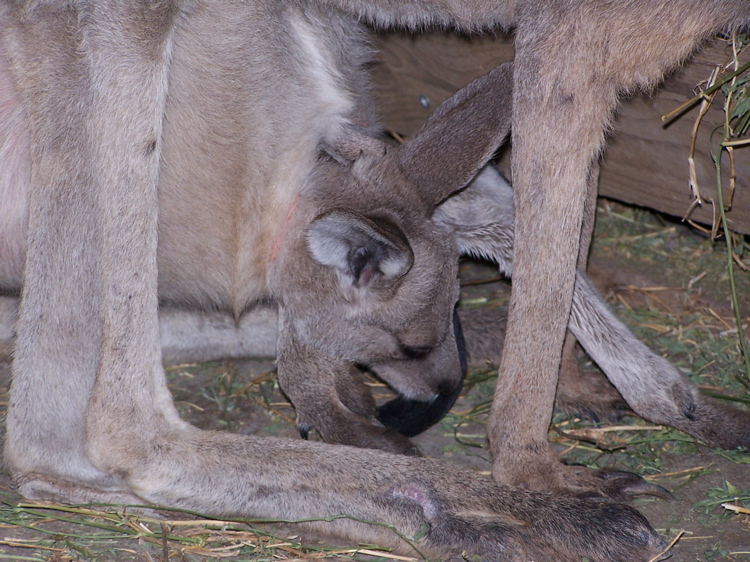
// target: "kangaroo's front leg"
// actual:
[[327, 397], [93, 79], [558, 131], [652, 386]]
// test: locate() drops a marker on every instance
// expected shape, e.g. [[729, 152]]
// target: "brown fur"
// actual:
[[107, 90], [574, 58]]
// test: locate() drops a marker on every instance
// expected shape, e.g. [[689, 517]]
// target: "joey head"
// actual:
[[371, 279]]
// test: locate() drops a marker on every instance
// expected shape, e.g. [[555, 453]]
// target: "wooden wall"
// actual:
[[645, 163]]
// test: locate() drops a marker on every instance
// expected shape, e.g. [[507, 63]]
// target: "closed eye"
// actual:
[[416, 351]]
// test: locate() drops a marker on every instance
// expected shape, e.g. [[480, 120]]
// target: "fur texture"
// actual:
[[174, 152]]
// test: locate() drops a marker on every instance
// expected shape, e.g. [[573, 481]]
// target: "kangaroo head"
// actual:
[[372, 277]]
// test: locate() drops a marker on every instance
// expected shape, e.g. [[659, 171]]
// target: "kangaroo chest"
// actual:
[[246, 112]]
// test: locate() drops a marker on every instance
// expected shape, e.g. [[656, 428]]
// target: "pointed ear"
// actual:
[[460, 136], [362, 250]]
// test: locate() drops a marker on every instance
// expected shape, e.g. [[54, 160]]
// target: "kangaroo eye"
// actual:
[[415, 351]]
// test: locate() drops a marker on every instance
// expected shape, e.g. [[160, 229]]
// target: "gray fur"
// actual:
[[173, 153]]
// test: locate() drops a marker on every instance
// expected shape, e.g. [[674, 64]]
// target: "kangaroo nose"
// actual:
[[446, 388], [412, 417]]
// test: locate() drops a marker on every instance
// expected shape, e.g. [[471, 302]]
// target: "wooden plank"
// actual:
[[645, 163], [432, 67]]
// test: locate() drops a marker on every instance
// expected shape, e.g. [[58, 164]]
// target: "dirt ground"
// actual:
[[667, 282]]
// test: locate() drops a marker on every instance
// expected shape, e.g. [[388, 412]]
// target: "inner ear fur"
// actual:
[[361, 249]]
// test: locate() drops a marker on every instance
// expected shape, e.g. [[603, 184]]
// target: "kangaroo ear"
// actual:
[[352, 143], [362, 250], [460, 136]]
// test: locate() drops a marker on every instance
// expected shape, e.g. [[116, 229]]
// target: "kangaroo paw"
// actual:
[[717, 424], [341, 426], [610, 484], [537, 468], [623, 486]]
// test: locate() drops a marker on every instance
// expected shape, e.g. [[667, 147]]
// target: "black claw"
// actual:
[[619, 484], [304, 431]]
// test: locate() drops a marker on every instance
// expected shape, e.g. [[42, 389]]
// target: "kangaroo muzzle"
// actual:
[[411, 417]]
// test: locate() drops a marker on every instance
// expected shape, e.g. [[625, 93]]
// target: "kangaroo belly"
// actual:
[[14, 181], [246, 111]]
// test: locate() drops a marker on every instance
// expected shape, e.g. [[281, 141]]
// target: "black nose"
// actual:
[[412, 417], [445, 388]]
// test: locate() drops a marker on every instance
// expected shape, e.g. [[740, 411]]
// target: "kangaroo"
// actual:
[[105, 97], [573, 61], [99, 98]]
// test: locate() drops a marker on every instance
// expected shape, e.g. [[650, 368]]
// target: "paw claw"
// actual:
[[618, 484], [304, 431]]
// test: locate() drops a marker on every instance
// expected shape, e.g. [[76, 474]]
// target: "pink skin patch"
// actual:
[[418, 495], [284, 228]]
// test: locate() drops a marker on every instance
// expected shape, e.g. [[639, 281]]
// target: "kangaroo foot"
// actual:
[[613, 533], [477, 518], [537, 468], [618, 531]]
